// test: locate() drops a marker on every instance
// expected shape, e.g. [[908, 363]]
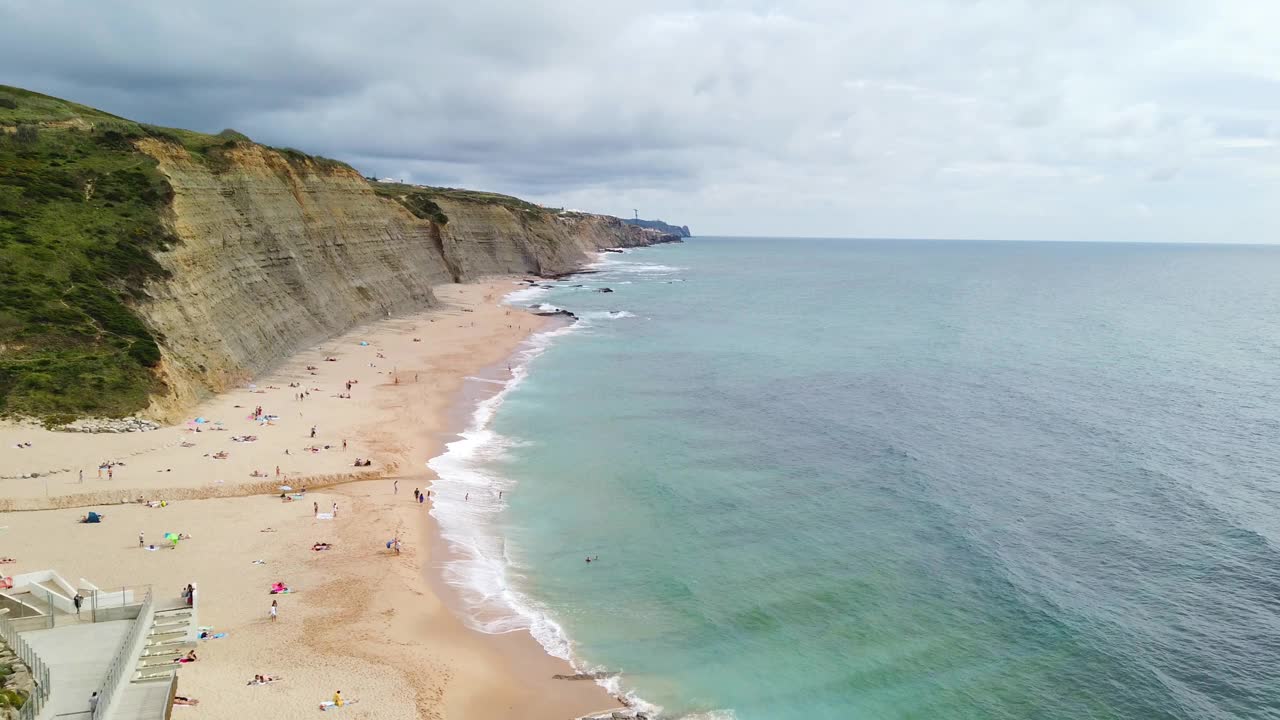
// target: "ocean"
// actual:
[[892, 479]]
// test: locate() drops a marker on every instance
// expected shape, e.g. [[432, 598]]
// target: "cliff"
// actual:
[[275, 254], [677, 230], [190, 262]]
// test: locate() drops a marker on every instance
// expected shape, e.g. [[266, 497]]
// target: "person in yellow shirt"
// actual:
[[337, 698]]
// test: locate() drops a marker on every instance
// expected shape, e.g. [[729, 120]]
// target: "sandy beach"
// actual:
[[361, 619]]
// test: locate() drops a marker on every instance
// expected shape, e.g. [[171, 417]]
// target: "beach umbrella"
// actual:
[[285, 488], [200, 421]]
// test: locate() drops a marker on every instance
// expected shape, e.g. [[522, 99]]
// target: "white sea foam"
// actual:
[[623, 266], [611, 263], [525, 295], [466, 500]]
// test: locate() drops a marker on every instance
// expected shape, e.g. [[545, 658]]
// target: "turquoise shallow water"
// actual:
[[874, 479]]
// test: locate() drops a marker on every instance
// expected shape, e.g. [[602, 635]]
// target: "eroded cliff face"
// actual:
[[489, 239], [278, 253]]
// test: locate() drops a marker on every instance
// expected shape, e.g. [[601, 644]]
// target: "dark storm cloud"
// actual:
[[998, 118]]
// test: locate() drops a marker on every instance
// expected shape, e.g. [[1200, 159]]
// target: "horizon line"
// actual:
[[694, 236]]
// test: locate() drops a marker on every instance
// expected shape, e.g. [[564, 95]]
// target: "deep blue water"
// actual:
[[899, 479]]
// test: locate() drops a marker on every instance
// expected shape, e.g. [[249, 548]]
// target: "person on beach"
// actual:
[[337, 698], [110, 474], [315, 508], [78, 600], [395, 487], [416, 494], [421, 498], [335, 511], [141, 540], [275, 607], [313, 431]]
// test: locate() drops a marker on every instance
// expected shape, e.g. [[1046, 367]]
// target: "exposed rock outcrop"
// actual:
[[16, 683], [109, 425]]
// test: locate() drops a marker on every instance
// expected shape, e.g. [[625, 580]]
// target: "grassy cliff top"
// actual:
[[422, 200], [80, 220]]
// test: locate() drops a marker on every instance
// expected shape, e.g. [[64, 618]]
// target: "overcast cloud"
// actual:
[[1041, 119]]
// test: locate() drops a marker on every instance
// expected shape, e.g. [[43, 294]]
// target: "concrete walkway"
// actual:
[[77, 657]]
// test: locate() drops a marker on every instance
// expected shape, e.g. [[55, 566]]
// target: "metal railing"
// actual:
[[125, 659], [39, 671], [110, 604], [173, 693]]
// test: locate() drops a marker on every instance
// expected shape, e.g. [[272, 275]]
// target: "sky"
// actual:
[[1143, 120]]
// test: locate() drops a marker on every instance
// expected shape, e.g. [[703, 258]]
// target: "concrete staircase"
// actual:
[[172, 634]]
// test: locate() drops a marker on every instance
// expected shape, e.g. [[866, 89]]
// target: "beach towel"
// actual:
[[330, 705], [324, 516]]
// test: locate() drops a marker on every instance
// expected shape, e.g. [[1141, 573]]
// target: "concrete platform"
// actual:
[[77, 657]]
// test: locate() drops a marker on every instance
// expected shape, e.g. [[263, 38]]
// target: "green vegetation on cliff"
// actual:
[[86, 207], [416, 200], [80, 214], [421, 200]]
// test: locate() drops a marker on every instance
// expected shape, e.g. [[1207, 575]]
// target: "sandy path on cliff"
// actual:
[[363, 620]]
